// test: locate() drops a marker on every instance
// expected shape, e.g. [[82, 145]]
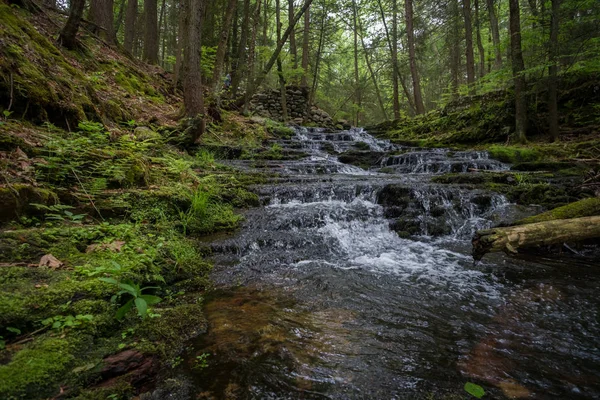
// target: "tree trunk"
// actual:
[[357, 88], [518, 66], [252, 53], [455, 48], [395, 87], [495, 33], [193, 98], [130, 20], [513, 238], [480, 49], [410, 35], [101, 14], [391, 48], [162, 34], [305, 45], [372, 73], [311, 96], [469, 46], [282, 92], [151, 31], [181, 39], [261, 77], [119, 21], [241, 51], [68, 35], [222, 46], [553, 71], [293, 47]]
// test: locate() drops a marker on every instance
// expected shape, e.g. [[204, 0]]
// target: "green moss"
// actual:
[[511, 154], [34, 370], [15, 199], [583, 208]]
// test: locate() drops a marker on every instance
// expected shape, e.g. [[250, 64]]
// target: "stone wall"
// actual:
[[268, 104]]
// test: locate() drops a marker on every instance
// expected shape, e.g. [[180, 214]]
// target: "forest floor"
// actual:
[[103, 223]]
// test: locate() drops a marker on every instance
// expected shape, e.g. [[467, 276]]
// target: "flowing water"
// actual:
[[358, 284]]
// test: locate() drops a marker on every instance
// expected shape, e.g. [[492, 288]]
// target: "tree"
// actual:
[[293, 47], [410, 36], [495, 33], [193, 98], [222, 46], [130, 20], [151, 31], [68, 35], [357, 88], [101, 14], [305, 45], [282, 91], [518, 66], [469, 46], [395, 88], [480, 49], [553, 71]]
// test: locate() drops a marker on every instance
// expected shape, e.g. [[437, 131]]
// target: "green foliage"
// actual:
[[60, 212], [205, 159], [201, 361], [583, 208], [138, 300], [474, 390], [61, 322]]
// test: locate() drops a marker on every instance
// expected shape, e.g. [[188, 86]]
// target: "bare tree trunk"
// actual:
[[495, 33], [372, 73], [455, 48], [410, 35], [68, 35], [193, 98], [130, 20], [283, 100], [305, 45], [357, 88], [480, 49], [181, 39], [101, 14], [311, 96], [513, 238], [252, 53], [395, 60], [293, 47], [553, 71], [161, 36], [151, 31], [241, 51], [518, 66], [395, 88], [222, 46], [469, 46]]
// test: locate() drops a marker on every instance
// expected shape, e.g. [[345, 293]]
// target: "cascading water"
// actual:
[[385, 299]]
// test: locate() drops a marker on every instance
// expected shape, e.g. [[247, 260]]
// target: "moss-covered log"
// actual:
[[513, 238]]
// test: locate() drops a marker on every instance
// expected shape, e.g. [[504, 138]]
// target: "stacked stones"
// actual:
[[268, 104]]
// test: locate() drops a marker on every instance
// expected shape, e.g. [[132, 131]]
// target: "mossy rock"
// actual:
[[362, 159], [33, 371], [583, 208], [15, 200], [509, 154], [9, 142]]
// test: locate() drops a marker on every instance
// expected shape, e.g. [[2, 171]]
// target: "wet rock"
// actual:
[[394, 195], [363, 159], [130, 366]]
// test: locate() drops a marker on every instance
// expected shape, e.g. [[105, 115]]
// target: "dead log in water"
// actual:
[[513, 238]]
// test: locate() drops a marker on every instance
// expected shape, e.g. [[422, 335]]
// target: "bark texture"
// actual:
[[410, 36], [511, 239], [518, 66], [130, 20], [68, 35], [151, 31]]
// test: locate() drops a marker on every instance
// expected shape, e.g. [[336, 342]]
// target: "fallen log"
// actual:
[[513, 238]]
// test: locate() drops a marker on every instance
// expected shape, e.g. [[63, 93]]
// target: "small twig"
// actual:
[[87, 194]]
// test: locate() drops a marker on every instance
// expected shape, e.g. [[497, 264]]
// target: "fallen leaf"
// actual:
[[115, 246], [50, 261]]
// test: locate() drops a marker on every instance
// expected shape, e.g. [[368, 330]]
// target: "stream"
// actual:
[[359, 284]]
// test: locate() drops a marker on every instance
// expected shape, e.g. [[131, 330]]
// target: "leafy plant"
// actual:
[[60, 212], [474, 390], [206, 158], [7, 114], [138, 299], [61, 322], [201, 361]]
